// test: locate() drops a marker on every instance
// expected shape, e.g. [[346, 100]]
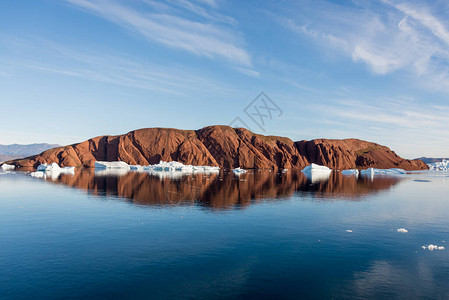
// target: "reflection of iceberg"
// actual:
[[372, 171], [221, 190], [239, 171], [111, 172], [6, 167], [317, 173], [354, 172]]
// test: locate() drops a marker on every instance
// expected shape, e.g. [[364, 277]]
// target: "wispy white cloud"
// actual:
[[248, 72], [107, 67], [205, 39], [396, 122], [208, 14], [387, 36]]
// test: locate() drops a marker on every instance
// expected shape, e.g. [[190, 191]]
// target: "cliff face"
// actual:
[[222, 146]]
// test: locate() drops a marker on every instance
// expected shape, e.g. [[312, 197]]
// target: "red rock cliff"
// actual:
[[222, 146]]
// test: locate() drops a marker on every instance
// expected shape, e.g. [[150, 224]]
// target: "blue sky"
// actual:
[[375, 70]]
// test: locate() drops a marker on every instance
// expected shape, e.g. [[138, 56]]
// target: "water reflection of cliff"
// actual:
[[224, 190]]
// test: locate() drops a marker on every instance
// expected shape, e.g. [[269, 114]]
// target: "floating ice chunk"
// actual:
[[111, 165], [315, 167], [439, 166], [38, 174], [317, 173], [6, 167], [239, 171], [373, 171], [52, 171], [402, 230], [348, 230], [174, 169], [350, 172], [48, 167], [136, 168], [433, 247]]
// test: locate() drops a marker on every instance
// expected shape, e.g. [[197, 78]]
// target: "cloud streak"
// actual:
[[204, 39], [388, 36], [105, 67]]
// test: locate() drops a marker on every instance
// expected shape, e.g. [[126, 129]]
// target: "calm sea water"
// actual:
[[262, 236]]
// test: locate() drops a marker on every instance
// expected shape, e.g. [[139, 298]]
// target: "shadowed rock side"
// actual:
[[222, 146], [224, 190]]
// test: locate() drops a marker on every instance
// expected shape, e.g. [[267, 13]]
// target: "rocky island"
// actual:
[[222, 146]]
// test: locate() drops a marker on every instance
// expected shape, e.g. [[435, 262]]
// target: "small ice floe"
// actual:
[[239, 171], [38, 174], [350, 172], [373, 171], [433, 247], [402, 230], [317, 173], [348, 230], [6, 167]]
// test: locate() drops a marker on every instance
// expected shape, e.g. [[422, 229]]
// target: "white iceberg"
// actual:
[[373, 171], [439, 166], [350, 172], [174, 169], [239, 171], [52, 171], [48, 167], [111, 165], [6, 167], [317, 173], [402, 230]]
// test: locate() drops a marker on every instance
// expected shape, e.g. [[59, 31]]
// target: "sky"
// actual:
[[375, 70]]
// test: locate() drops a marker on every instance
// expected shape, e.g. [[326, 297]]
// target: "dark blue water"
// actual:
[[262, 236]]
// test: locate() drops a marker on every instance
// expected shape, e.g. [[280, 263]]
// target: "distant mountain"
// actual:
[[225, 147], [429, 160], [14, 151]]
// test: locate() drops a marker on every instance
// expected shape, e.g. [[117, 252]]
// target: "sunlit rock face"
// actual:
[[224, 147]]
